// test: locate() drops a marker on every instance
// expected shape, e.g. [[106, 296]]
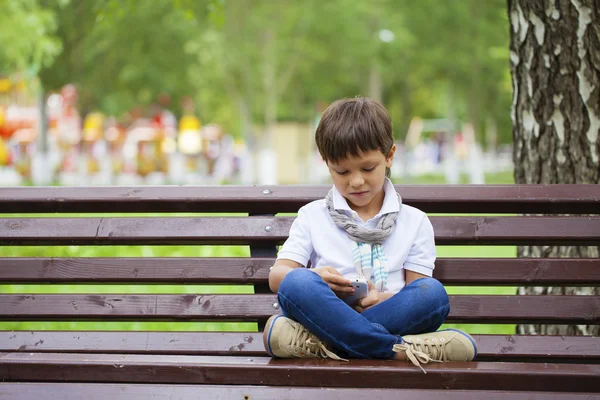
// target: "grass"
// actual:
[[191, 251], [480, 252], [205, 251], [497, 178]]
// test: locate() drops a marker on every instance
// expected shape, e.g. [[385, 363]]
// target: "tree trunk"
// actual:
[[555, 67]]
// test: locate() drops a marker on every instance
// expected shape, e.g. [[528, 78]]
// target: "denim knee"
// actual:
[[297, 287], [297, 281], [296, 278], [432, 291]]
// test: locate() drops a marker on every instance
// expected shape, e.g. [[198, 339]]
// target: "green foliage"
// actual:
[[245, 60], [121, 54], [26, 35]]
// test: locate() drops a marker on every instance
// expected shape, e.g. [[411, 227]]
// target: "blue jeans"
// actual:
[[422, 306]]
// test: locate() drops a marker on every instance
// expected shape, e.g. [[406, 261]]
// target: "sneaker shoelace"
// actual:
[[423, 351], [305, 343]]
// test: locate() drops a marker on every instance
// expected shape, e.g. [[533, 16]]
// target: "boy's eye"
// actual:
[[368, 169], [342, 172]]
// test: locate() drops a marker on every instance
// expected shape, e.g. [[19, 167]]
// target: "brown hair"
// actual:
[[350, 127]]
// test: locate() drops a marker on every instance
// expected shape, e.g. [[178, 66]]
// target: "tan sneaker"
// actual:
[[440, 346], [286, 338]]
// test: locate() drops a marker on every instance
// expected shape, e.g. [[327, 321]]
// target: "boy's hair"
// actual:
[[352, 126]]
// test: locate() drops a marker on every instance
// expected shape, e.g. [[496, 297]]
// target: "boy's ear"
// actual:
[[391, 153]]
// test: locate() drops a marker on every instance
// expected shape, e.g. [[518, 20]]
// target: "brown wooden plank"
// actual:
[[565, 199], [518, 271], [271, 230], [137, 368], [516, 230], [497, 347], [129, 231], [150, 270], [511, 347], [464, 308], [114, 391], [450, 271]]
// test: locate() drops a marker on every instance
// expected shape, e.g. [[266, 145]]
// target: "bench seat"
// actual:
[[180, 364]]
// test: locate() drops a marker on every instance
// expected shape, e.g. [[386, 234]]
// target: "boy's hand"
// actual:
[[373, 298], [336, 281]]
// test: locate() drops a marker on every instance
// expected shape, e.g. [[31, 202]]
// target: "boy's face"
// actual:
[[360, 179]]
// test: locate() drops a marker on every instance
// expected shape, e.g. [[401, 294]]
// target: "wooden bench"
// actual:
[[234, 365]]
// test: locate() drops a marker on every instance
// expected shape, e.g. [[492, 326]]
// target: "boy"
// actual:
[[361, 229]]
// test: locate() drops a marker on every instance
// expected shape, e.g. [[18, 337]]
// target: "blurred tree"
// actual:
[[253, 57], [121, 54], [458, 52], [555, 65], [27, 40], [251, 62]]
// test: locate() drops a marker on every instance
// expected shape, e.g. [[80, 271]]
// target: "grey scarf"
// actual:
[[367, 254]]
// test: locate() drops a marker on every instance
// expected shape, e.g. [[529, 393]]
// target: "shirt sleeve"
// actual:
[[298, 247], [421, 256]]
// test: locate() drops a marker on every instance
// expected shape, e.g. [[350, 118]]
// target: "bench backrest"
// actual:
[[250, 216]]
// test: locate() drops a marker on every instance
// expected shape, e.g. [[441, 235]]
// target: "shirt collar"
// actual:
[[391, 201]]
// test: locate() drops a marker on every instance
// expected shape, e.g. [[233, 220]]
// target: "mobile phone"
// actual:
[[361, 289]]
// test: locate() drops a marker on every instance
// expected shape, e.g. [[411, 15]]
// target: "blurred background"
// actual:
[[128, 92], [134, 92]]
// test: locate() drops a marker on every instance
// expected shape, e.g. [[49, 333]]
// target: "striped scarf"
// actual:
[[367, 253]]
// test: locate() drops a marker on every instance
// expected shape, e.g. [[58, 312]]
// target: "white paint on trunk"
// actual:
[[546, 61], [558, 120], [539, 28], [530, 125], [523, 24], [585, 86], [514, 58], [529, 81], [514, 101], [560, 156], [584, 20], [557, 49], [592, 134], [552, 11], [528, 121], [514, 21]]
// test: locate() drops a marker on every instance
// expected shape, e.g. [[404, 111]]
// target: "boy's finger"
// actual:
[[333, 271], [338, 280], [341, 289], [366, 301]]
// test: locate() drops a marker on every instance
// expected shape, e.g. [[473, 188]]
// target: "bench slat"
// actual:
[[262, 230], [136, 368], [115, 391], [565, 199], [450, 271], [501, 347], [464, 308]]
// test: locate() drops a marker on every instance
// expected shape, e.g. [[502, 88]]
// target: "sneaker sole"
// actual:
[[267, 337]]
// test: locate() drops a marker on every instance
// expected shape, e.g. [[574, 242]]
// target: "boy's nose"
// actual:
[[357, 181]]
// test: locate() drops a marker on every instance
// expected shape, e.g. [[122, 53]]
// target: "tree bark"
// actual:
[[555, 67]]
